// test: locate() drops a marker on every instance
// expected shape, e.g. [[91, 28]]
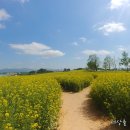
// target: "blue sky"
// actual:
[[61, 33]]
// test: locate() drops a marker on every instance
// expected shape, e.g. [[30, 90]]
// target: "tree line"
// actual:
[[93, 62], [39, 71]]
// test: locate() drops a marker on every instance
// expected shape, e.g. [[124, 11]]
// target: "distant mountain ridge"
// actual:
[[17, 70]]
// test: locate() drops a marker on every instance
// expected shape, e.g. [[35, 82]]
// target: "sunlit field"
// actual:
[[34, 102]]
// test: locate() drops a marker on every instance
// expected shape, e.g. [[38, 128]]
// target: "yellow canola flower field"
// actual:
[[73, 81], [111, 93], [33, 102], [29, 103]]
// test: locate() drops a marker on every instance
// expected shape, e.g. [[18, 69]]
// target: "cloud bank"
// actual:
[[116, 4], [112, 27], [99, 52], [37, 49]]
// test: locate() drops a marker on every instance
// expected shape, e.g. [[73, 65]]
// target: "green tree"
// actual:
[[93, 62], [125, 60], [108, 62], [115, 63], [32, 72], [41, 71]]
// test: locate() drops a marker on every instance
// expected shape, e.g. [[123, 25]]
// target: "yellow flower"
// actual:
[[34, 125], [5, 102], [21, 114], [36, 116], [6, 114], [8, 124], [8, 127]]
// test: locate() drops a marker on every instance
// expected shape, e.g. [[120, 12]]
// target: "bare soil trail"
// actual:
[[79, 113]]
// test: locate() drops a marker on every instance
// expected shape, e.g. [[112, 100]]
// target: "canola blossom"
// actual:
[[29, 103], [111, 93], [34, 102]]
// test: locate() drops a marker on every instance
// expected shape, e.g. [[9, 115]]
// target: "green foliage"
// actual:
[[125, 60], [108, 63], [29, 103], [74, 83], [111, 92], [40, 71], [93, 62], [33, 102]]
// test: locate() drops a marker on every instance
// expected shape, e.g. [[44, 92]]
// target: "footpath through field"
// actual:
[[79, 113]]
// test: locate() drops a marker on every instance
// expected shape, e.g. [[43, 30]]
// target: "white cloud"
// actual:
[[100, 52], [83, 39], [112, 27], [52, 53], [22, 1], [121, 48], [79, 41], [116, 4], [38, 49], [34, 46], [78, 58], [4, 15], [75, 43], [2, 26]]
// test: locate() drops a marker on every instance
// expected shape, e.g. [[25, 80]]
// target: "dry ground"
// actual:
[[79, 113]]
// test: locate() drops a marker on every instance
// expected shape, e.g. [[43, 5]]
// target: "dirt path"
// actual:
[[79, 113]]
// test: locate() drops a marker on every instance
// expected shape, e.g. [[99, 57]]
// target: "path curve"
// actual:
[[79, 113]]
